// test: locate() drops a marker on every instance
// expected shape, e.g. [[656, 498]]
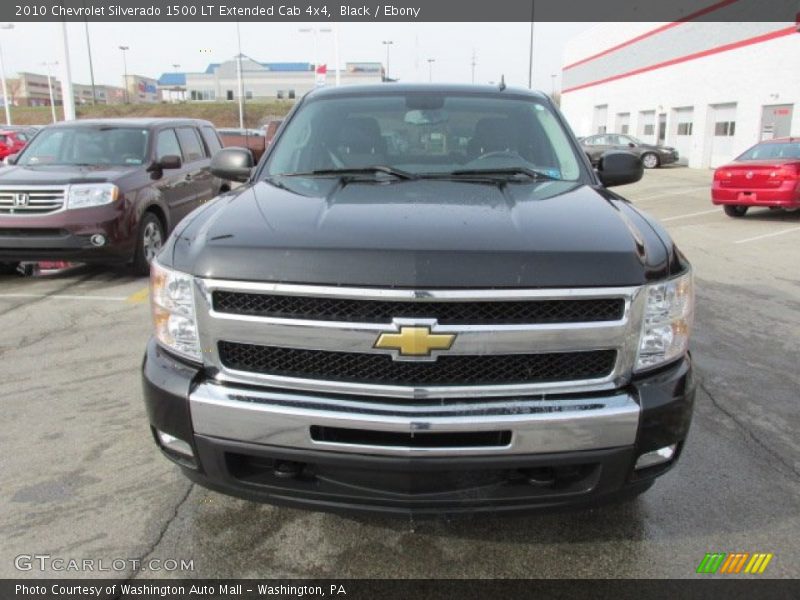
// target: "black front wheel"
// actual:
[[734, 210], [150, 241]]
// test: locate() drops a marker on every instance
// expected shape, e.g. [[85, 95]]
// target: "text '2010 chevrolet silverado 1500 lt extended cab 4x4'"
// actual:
[[422, 300]]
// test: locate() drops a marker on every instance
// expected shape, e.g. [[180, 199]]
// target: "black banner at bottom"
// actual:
[[399, 589]]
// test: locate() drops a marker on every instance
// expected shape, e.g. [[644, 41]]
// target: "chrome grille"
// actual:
[[383, 311], [31, 200], [447, 370], [508, 343]]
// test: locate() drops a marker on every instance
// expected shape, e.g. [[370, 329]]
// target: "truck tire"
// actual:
[[149, 241], [734, 210], [8, 268]]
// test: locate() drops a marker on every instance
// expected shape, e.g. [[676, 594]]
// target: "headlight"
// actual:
[[84, 195], [667, 322], [172, 302]]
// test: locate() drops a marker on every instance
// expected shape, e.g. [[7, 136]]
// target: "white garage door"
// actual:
[[722, 131], [683, 131]]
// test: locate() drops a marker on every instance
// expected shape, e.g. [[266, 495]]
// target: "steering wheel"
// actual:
[[498, 154]]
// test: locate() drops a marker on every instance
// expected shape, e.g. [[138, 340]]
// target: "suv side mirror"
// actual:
[[233, 164], [11, 159], [170, 161], [619, 168]]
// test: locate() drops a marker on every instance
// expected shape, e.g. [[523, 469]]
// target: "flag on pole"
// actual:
[[322, 73]]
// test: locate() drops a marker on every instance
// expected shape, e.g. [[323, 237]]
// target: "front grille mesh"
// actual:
[[446, 313], [446, 370]]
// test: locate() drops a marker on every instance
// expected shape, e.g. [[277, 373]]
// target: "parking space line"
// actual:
[[66, 297], [672, 192], [686, 216], [140, 296], [766, 235]]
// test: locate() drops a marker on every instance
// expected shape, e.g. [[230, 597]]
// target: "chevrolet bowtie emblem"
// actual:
[[415, 341]]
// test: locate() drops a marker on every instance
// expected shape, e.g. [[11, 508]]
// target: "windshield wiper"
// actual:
[[399, 173], [506, 172]]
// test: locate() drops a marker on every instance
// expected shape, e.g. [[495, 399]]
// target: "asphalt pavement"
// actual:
[[80, 477]]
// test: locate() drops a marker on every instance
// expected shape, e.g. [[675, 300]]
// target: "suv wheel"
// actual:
[[151, 238], [734, 210], [649, 160]]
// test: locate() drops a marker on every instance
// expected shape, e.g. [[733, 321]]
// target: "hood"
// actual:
[[61, 174], [421, 233]]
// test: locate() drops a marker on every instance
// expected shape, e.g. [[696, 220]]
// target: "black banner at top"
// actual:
[[400, 10]]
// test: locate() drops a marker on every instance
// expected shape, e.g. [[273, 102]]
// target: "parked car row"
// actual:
[[104, 191]]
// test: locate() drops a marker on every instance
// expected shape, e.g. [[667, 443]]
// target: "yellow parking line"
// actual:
[[139, 296]]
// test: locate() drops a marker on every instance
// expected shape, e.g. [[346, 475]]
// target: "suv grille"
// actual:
[[33, 201], [446, 313], [446, 370]]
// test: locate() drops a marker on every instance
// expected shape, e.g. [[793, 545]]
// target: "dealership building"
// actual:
[[710, 89], [261, 80]]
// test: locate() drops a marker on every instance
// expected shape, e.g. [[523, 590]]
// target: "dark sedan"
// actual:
[[652, 156]]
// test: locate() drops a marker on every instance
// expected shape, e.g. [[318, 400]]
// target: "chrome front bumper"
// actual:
[[285, 419]]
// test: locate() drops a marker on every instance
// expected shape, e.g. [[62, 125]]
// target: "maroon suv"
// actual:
[[104, 191]]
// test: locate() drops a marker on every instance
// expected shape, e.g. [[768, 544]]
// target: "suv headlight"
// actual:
[[172, 303], [84, 195], [667, 322]]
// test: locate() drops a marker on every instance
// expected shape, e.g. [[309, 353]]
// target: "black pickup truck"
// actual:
[[422, 300]]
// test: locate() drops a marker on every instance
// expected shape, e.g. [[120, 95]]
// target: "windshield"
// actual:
[[425, 133], [772, 150], [87, 146]]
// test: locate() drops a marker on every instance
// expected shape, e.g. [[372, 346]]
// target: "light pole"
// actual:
[[553, 78], [91, 66], [315, 31], [50, 89], [472, 64], [3, 77], [388, 44], [125, 71], [430, 68], [181, 96], [530, 54], [67, 94], [239, 76]]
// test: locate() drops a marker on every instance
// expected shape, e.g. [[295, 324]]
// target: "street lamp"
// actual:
[[388, 44], [125, 71], [50, 88], [430, 68], [181, 95], [316, 31], [3, 77], [239, 75]]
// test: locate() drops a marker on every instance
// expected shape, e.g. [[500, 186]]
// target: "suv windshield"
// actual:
[[423, 133], [87, 146]]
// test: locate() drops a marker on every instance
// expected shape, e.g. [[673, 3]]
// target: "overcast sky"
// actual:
[[500, 48]]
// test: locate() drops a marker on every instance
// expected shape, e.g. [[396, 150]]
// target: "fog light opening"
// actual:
[[656, 457], [98, 240], [175, 445]]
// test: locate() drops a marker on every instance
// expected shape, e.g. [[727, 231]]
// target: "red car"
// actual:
[[768, 174], [12, 142]]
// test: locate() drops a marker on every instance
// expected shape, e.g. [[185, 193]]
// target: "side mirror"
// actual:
[[170, 161], [619, 168], [631, 145], [233, 164], [11, 159]]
